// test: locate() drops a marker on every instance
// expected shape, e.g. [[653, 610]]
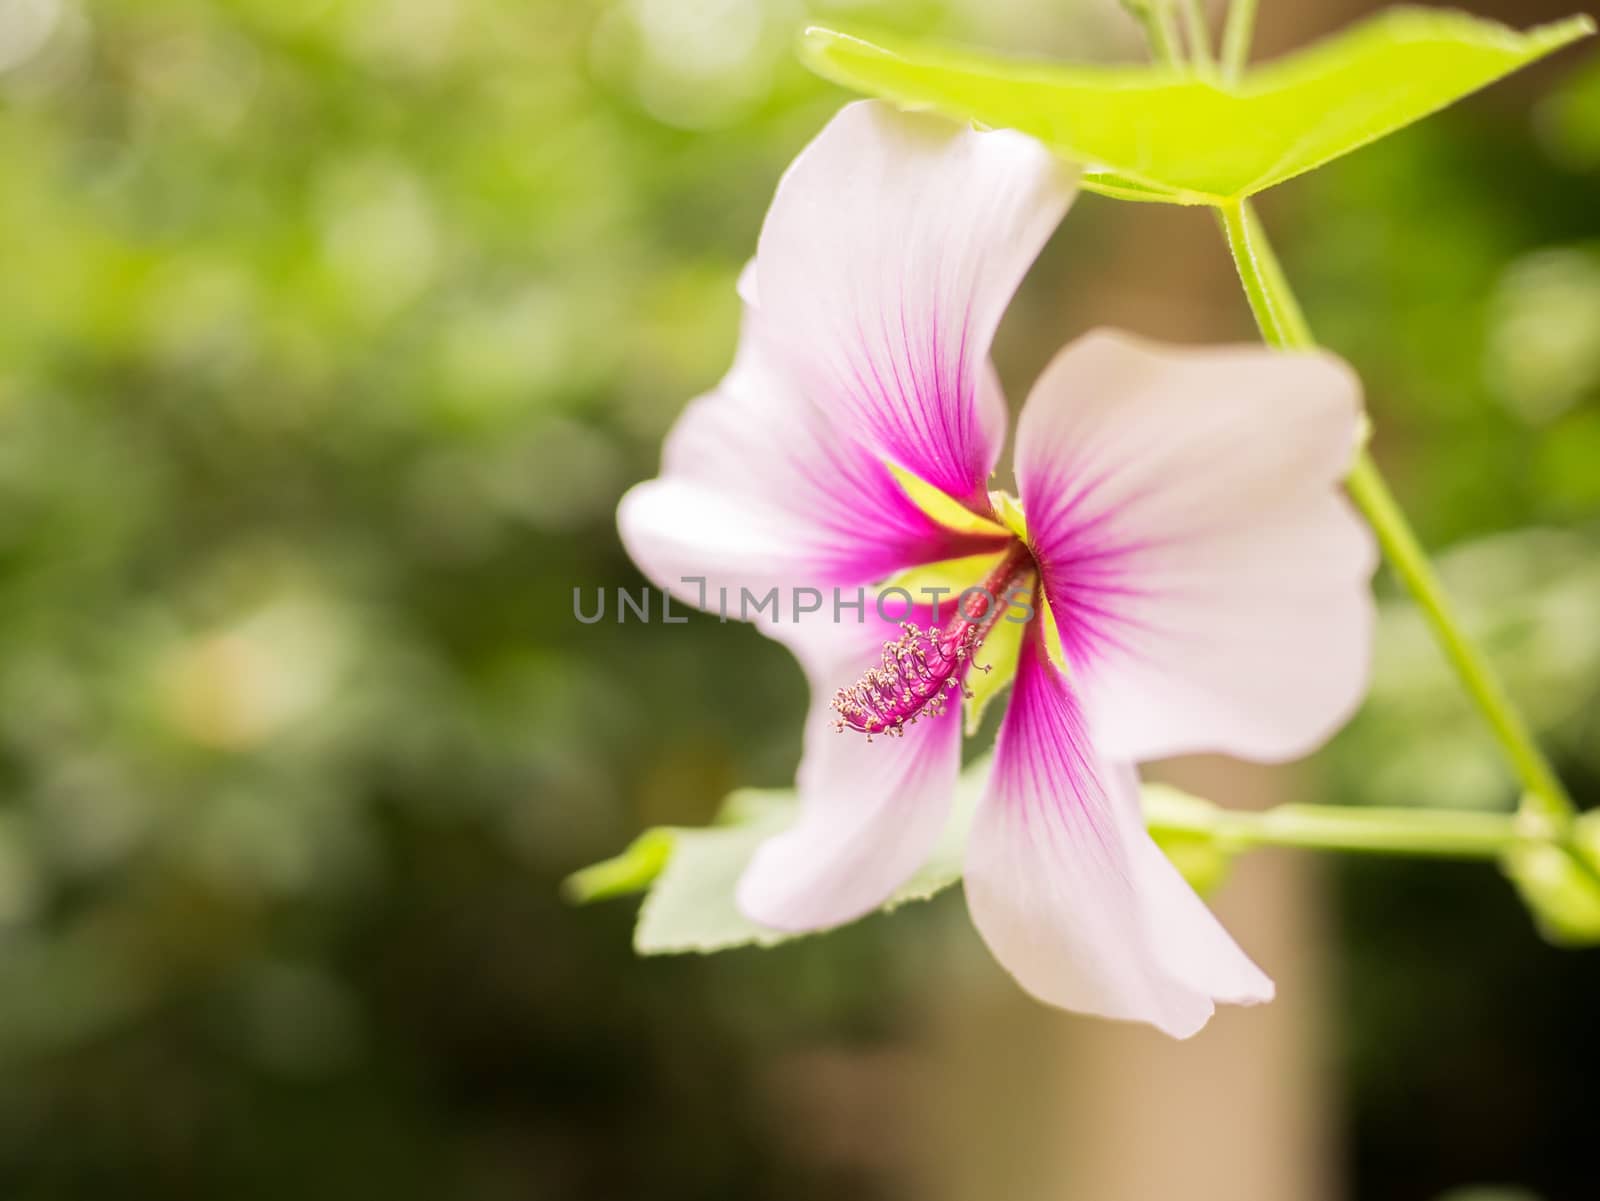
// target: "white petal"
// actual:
[[1211, 583], [757, 492], [870, 812], [1068, 889], [890, 252]]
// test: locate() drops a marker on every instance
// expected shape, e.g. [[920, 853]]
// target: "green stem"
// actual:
[[1544, 790], [1276, 310], [1156, 18], [1236, 38], [1199, 38], [1284, 326], [1436, 834]]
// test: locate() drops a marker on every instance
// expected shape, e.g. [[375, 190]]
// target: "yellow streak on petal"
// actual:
[[1052, 633], [948, 512], [1001, 650], [947, 577], [1009, 510]]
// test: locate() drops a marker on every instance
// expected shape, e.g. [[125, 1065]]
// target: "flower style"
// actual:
[[1192, 576]]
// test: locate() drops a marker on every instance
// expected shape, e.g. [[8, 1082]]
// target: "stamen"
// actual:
[[921, 669]]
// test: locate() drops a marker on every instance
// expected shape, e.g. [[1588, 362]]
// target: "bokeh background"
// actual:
[[331, 332]]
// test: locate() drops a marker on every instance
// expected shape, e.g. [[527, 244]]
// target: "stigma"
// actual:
[[921, 670]]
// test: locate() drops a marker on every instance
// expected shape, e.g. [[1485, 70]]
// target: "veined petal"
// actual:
[[890, 252], [1068, 889], [870, 813], [756, 492], [1210, 583]]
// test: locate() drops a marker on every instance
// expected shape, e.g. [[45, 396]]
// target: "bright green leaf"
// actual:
[[1149, 133], [1120, 187]]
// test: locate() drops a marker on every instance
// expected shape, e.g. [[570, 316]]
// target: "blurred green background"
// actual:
[[331, 332]]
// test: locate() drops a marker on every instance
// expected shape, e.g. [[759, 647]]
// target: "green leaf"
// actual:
[[691, 905], [1150, 133]]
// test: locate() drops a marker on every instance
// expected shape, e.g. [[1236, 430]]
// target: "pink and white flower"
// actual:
[[1198, 581]]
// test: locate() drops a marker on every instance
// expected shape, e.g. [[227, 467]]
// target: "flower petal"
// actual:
[[1068, 889], [870, 812], [1210, 582], [890, 252], [757, 492]]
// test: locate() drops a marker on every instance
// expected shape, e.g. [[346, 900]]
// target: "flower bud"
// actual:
[[1561, 884], [1184, 827]]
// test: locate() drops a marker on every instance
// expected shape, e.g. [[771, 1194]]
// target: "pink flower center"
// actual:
[[921, 668]]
